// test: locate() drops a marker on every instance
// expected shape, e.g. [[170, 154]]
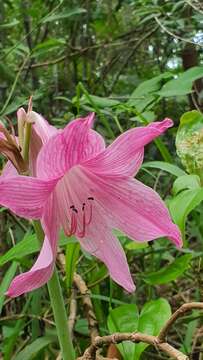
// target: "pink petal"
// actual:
[[9, 170], [41, 126], [42, 270], [24, 195], [69, 147], [42, 131], [98, 238], [125, 155], [100, 242], [132, 207]]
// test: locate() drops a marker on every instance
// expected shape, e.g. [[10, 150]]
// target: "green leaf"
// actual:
[[169, 273], [145, 93], [98, 276], [150, 86], [183, 84], [132, 245], [9, 25], [81, 327], [29, 245], [48, 45], [101, 102], [182, 204], [8, 276], [162, 165], [72, 253], [186, 182], [31, 350], [148, 115], [153, 316], [65, 15], [126, 318]]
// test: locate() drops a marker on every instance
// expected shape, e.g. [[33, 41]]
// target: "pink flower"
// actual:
[[89, 190]]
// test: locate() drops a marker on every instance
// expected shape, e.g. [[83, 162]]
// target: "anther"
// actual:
[[72, 207], [83, 206], [90, 198]]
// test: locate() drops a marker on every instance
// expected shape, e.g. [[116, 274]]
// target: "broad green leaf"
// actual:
[[31, 350], [145, 93], [170, 272], [182, 204], [126, 318], [8, 276], [186, 182], [62, 15], [183, 84], [152, 318], [170, 168], [149, 86]]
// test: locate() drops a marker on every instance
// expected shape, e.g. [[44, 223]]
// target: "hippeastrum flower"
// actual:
[[89, 190]]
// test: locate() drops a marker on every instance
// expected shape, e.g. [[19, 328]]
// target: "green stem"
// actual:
[[58, 307], [60, 317], [26, 142]]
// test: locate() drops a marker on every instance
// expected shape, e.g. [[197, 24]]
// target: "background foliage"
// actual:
[[132, 62]]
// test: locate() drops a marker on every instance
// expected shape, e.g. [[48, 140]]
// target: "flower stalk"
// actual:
[[58, 307], [54, 287]]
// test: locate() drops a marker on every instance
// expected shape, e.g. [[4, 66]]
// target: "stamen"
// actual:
[[75, 228], [73, 222], [90, 216]]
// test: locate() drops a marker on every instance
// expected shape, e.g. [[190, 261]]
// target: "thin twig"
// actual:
[[180, 312], [158, 342], [88, 307], [165, 29], [72, 312], [90, 353]]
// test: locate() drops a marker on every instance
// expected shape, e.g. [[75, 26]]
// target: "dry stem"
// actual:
[[157, 341], [88, 307]]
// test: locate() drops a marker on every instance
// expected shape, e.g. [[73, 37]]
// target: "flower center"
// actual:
[[80, 218]]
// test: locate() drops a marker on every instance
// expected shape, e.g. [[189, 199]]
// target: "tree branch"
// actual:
[[180, 312], [157, 341]]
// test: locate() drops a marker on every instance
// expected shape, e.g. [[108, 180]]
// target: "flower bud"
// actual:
[[189, 142]]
